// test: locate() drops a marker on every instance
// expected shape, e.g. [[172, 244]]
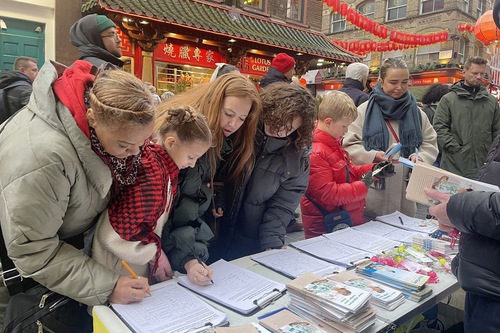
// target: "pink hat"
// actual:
[[283, 62]]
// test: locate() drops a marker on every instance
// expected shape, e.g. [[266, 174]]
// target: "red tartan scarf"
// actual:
[[134, 216]]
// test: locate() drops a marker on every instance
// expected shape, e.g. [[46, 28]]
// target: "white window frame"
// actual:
[[481, 8], [300, 5], [465, 6], [427, 50], [337, 19], [371, 14], [433, 6], [397, 8]]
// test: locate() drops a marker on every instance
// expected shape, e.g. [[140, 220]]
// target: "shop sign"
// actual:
[[187, 53], [125, 46], [432, 80], [254, 65], [333, 86]]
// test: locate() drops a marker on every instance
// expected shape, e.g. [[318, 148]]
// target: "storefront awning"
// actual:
[[226, 22]]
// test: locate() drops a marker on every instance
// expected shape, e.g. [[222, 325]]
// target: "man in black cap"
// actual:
[[97, 41]]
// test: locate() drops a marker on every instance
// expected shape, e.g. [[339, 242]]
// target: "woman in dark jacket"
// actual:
[[263, 207], [232, 107]]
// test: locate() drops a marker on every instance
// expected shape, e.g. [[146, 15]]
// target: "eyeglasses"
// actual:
[[113, 35]]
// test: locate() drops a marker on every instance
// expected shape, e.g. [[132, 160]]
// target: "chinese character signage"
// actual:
[[187, 53]]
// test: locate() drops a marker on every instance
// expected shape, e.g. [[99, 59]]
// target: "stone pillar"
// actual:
[[147, 66]]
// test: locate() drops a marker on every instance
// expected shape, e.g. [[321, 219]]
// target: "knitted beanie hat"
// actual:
[[283, 62], [104, 23]]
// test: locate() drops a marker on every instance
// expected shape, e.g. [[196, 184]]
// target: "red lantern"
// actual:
[[343, 9], [335, 6], [374, 46], [485, 28]]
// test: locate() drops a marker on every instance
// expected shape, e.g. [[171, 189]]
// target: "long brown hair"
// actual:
[[209, 99]]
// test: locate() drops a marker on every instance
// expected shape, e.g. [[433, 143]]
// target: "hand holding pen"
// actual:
[[129, 289], [198, 272]]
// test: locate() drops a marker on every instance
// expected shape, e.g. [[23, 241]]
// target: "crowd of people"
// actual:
[[175, 183]]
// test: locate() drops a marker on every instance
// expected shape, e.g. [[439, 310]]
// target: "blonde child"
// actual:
[[131, 227], [334, 182]]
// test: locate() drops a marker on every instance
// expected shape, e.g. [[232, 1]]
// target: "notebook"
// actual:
[[170, 309], [237, 288]]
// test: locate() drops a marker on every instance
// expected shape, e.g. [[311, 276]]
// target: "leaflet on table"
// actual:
[[293, 263], [394, 275], [388, 231], [403, 221], [361, 240], [332, 251], [186, 312], [428, 176], [237, 288], [285, 321], [383, 296]]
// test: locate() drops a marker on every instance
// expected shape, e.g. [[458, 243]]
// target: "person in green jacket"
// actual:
[[466, 121]]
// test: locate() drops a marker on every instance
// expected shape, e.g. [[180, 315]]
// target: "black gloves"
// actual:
[[367, 179], [383, 169]]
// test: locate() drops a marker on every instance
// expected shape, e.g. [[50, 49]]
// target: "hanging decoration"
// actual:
[[398, 40], [486, 30]]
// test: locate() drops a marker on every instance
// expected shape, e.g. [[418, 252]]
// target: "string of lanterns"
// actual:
[[398, 40]]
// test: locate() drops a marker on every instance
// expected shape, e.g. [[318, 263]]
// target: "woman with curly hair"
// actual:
[[263, 205], [432, 97]]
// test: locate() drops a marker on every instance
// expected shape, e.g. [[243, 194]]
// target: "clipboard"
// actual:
[[237, 288]]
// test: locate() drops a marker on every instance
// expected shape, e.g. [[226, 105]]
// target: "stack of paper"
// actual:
[[386, 230], [403, 221], [382, 296], [170, 309], [332, 251], [285, 321], [362, 241], [340, 306], [237, 288], [293, 263], [412, 285]]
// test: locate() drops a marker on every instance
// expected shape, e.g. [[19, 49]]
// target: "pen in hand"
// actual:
[[200, 261], [127, 267], [401, 220]]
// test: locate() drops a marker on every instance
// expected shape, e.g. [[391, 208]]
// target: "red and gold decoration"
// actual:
[[398, 40]]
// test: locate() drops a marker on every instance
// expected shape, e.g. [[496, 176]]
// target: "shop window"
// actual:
[[367, 9], [462, 51], [481, 8], [294, 9], [465, 6], [368, 60], [254, 4], [428, 54], [178, 78], [393, 54], [338, 23], [396, 9], [429, 6]]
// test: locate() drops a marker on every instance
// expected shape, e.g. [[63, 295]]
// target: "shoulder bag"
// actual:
[[339, 219]]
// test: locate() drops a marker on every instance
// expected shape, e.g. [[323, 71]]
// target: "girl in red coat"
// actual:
[[334, 182]]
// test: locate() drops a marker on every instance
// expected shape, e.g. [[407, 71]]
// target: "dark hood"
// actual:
[[85, 35], [9, 77]]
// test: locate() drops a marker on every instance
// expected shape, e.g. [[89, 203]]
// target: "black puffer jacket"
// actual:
[[17, 97], [273, 76], [271, 195], [354, 89], [185, 230], [477, 216]]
